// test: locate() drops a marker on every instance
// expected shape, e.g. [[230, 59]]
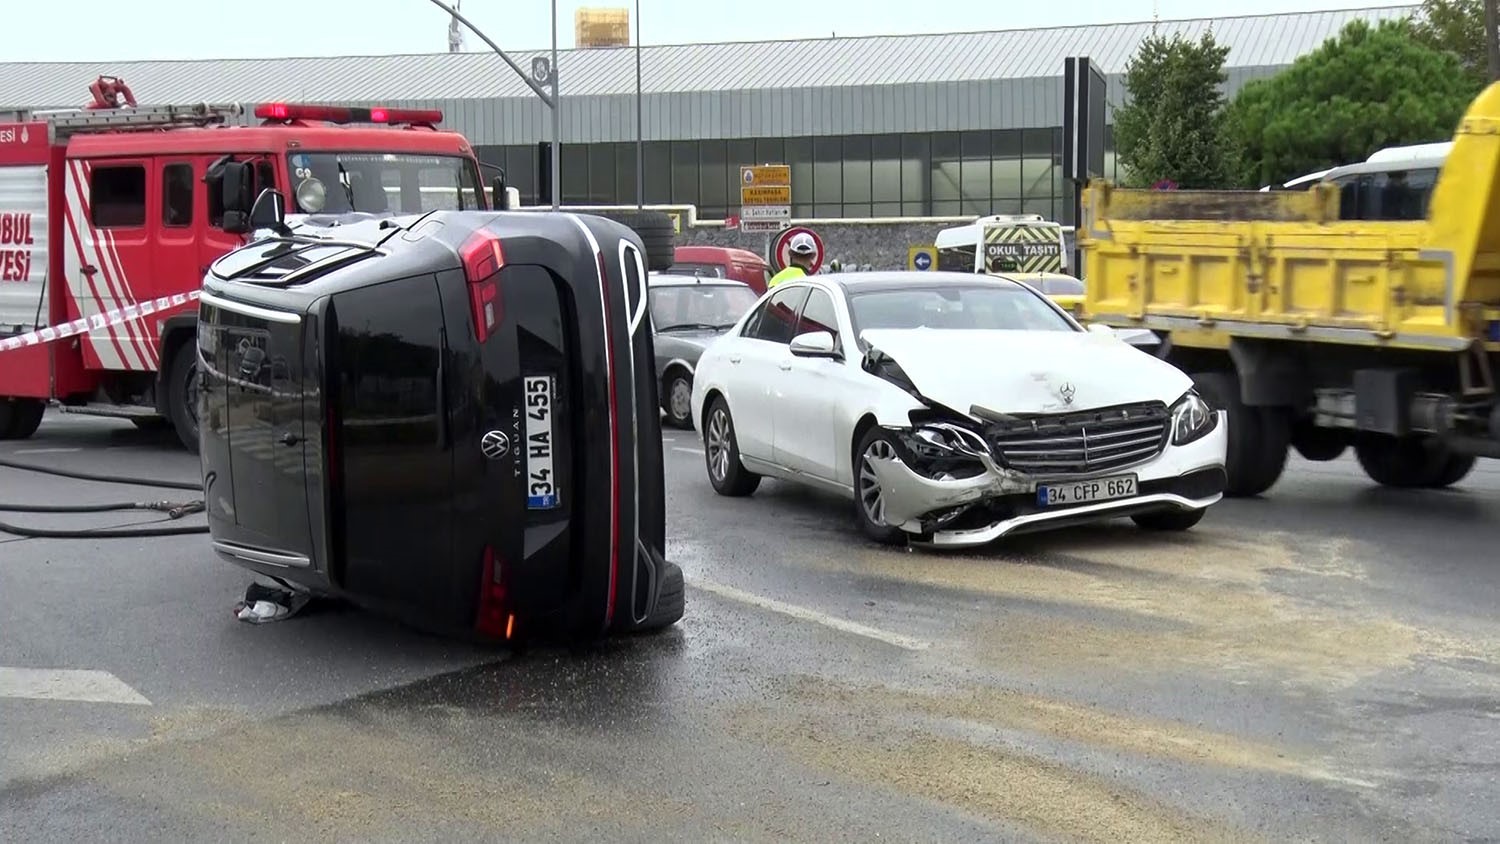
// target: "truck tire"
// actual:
[[182, 395], [1319, 444], [1258, 437], [1400, 462], [655, 231], [1454, 470], [19, 418]]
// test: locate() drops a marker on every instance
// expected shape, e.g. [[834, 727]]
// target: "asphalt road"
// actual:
[[1323, 663]]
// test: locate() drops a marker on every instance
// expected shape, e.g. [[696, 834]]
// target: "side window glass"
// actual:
[[778, 320], [177, 195], [818, 315], [1348, 198], [118, 196]]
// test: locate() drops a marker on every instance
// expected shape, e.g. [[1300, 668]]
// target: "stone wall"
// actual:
[[870, 245]]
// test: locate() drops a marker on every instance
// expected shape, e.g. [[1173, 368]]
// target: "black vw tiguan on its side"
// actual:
[[451, 418]]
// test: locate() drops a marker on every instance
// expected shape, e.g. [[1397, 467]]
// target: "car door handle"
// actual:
[[290, 438], [734, 358], [786, 366]]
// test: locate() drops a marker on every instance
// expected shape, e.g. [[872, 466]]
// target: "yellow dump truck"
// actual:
[[1319, 333]]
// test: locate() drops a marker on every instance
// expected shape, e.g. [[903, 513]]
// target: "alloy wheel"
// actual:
[[720, 435], [871, 496], [681, 399]]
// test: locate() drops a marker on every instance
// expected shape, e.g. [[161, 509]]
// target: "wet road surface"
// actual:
[[1323, 663]]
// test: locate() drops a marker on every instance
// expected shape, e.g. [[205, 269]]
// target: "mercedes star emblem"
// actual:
[[495, 445], [1067, 392]]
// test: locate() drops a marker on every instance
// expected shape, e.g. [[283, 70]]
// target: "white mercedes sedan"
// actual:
[[954, 409]]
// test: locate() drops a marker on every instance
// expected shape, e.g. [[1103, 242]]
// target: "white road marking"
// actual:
[[804, 614], [46, 450], [686, 450], [64, 684]]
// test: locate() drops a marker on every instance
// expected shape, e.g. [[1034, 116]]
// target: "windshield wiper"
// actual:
[[691, 326], [726, 326], [348, 186]]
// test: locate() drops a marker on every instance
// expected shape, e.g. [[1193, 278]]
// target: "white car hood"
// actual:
[[1027, 371]]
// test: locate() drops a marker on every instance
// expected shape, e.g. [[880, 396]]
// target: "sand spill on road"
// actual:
[[875, 735], [1209, 600]]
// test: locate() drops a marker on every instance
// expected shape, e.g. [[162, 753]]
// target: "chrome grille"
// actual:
[[1082, 442]]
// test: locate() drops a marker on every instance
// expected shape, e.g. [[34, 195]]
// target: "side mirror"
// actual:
[[499, 198], [236, 185], [269, 212], [1100, 328], [814, 344]]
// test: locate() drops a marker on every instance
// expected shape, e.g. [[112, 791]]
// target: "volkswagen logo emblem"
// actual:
[[495, 445], [1067, 391]]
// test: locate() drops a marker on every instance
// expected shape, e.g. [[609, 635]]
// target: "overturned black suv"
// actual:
[[451, 418]]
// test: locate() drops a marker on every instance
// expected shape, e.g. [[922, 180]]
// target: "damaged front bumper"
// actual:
[[944, 508]]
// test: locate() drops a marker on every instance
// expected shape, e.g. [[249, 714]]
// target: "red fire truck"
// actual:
[[108, 210]]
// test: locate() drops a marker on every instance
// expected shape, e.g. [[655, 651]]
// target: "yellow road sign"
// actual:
[[765, 194], [922, 258], [765, 174]]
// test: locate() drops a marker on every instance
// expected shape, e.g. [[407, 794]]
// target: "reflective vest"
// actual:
[[791, 272]]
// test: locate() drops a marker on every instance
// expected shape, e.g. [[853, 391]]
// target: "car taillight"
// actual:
[[483, 259], [494, 618]]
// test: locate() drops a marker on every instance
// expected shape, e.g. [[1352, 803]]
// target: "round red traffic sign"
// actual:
[[781, 248]]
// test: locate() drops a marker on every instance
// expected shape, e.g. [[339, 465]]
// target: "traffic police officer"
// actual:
[[803, 250]]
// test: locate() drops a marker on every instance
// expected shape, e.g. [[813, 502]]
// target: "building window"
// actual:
[[946, 164], [118, 196], [177, 195], [684, 171], [799, 155], [658, 173], [857, 170], [602, 179], [885, 168], [625, 170], [975, 175], [575, 174], [713, 180]]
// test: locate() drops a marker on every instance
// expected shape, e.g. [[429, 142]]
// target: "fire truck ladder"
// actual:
[[72, 121]]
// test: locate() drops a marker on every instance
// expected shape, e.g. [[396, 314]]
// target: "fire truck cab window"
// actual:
[[177, 195], [118, 196]]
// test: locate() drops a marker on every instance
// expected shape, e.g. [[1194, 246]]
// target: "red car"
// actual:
[[722, 262]]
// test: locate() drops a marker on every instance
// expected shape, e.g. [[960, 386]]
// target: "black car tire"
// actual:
[[1454, 470], [671, 601], [19, 418], [181, 400], [677, 417], [1169, 520], [733, 479], [655, 231], [873, 441]]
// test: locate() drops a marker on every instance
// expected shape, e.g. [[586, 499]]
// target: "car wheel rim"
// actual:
[[682, 399], [719, 434], [871, 496]]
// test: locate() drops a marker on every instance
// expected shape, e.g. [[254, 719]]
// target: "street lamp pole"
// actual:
[[640, 146], [548, 98], [556, 121]]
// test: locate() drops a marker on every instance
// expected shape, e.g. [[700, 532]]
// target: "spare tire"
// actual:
[[654, 228]]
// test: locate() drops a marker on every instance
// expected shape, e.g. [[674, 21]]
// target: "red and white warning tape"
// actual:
[[96, 322]]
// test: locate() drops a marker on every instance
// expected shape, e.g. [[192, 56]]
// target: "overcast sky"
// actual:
[[101, 30]]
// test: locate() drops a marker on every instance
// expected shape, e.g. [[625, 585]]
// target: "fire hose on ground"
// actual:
[[173, 509]]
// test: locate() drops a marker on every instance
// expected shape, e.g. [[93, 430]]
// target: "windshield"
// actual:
[[378, 183], [716, 306], [952, 306]]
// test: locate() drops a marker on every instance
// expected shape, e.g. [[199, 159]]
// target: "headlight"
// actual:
[[937, 440], [1192, 418]]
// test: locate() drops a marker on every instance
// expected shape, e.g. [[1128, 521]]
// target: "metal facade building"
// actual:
[[945, 115]]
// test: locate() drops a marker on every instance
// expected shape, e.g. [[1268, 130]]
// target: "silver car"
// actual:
[[688, 313]]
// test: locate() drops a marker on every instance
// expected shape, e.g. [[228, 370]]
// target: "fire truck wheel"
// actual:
[[182, 395], [19, 418], [655, 231]]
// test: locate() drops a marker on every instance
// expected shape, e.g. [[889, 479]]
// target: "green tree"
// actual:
[[1456, 26], [1172, 126], [1371, 87]]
